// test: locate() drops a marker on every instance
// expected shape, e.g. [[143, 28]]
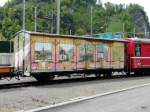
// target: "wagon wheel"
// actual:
[[98, 75], [44, 78], [107, 75]]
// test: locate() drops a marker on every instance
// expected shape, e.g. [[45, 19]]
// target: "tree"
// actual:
[[75, 16]]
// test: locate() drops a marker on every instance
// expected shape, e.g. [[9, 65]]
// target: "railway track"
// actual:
[[62, 81], [31, 94]]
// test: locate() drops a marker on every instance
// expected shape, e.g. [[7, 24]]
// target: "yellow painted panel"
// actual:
[[65, 50], [118, 55]]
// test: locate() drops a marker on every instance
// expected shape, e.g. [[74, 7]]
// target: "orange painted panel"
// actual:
[[6, 70]]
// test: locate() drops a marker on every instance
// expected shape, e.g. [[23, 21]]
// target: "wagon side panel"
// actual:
[[103, 55], [90, 54], [27, 55], [80, 54], [65, 54], [118, 55], [42, 54], [145, 54]]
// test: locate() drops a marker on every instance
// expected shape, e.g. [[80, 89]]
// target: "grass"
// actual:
[[115, 25]]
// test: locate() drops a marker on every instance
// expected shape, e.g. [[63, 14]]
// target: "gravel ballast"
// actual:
[[25, 98]]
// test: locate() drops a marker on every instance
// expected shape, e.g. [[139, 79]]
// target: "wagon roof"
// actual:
[[71, 36], [140, 40]]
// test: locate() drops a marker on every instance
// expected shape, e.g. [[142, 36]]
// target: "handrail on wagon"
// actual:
[[140, 57]]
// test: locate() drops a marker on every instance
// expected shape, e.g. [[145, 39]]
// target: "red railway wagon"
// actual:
[[138, 55], [45, 55]]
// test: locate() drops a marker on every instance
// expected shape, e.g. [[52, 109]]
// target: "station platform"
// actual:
[[134, 100]]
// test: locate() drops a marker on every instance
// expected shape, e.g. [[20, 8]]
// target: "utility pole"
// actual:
[[91, 20], [24, 15], [70, 32], [35, 19], [123, 28], [145, 30], [106, 27], [58, 16], [52, 23], [134, 32]]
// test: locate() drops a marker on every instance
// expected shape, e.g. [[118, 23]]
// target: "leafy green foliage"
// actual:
[[75, 17]]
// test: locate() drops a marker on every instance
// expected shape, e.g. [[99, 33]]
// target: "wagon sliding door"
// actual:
[[103, 55], [90, 55], [85, 54], [26, 51], [43, 57], [118, 55], [65, 50], [80, 54], [145, 52]]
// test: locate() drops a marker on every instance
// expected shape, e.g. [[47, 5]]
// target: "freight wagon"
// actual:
[[44, 55], [138, 55], [6, 58]]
